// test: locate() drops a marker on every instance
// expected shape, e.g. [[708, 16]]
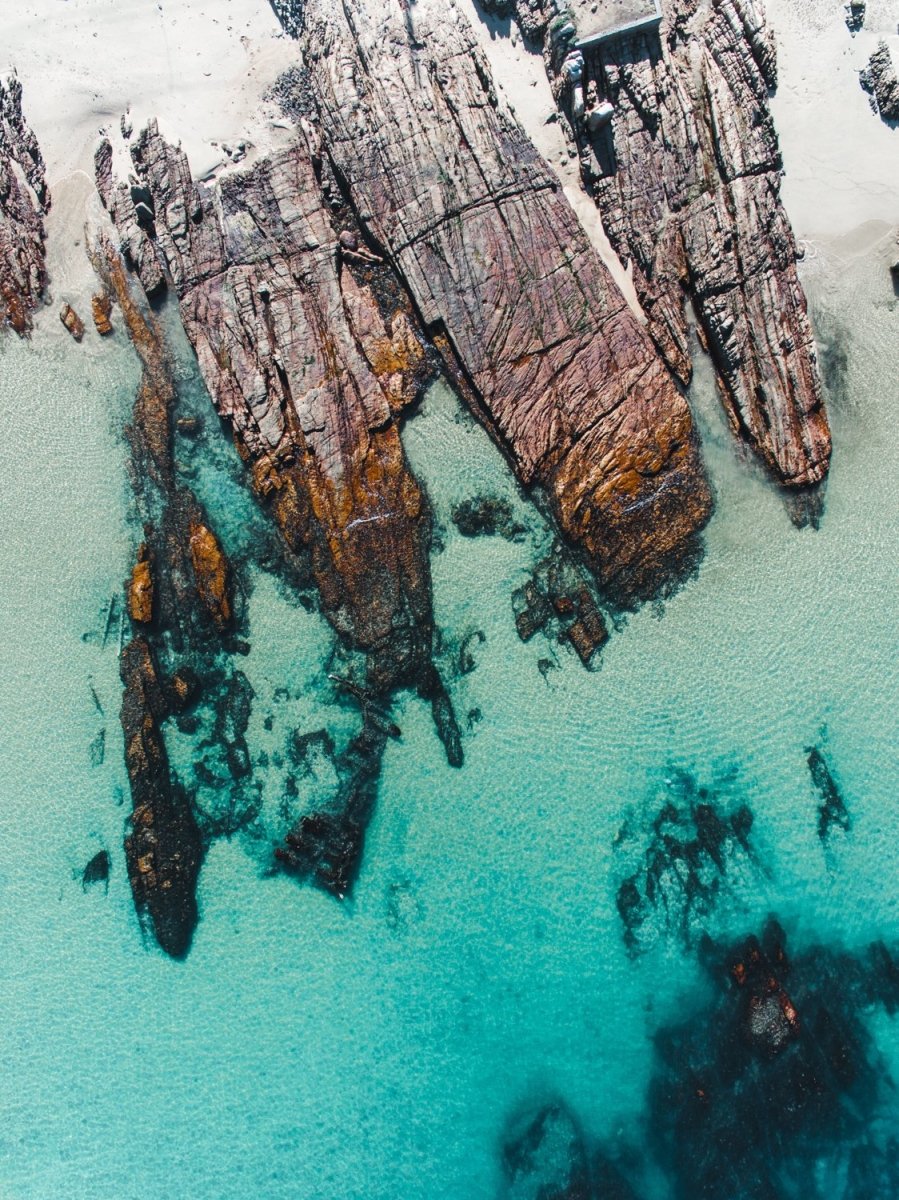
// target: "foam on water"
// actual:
[[376, 1049]]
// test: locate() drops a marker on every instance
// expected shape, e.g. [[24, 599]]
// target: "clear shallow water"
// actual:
[[377, 1049]]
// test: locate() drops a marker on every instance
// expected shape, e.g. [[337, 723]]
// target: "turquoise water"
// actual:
[[377, 1049]]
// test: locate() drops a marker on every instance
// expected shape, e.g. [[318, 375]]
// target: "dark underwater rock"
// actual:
[[544, 1156], [832, 810], [691, 843], [96, 871], [487, 516], [163, 848], [776, 1083], [327, 845], [558, 601]]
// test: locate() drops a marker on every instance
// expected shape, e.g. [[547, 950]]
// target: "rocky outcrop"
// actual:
[[309, 352], [447, 187], [163, 848], [72, 322], [24, 201], [300, 361], [880, 82], [180, 604], [679, 150]]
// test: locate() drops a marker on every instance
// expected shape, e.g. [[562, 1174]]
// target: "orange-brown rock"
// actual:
[[298, 357], [140, 588], [72, 322], [210, 572], [24, 201], [101, 307]]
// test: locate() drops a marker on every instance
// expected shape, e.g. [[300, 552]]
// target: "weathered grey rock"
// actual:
[[686, 175], [855, 15], [879, 79], [24, 201], [449, 189]]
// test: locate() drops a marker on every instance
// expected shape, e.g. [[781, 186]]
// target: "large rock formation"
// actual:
[[179, 601], [300, 362], [24, 200], [680, 152], [311, 368], [446, 185]]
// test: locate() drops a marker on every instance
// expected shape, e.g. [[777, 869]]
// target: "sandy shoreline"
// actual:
[[201, 67]]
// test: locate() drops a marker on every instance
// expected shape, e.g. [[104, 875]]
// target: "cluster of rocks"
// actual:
[[558, 601], [24, 202], [769, 1082], [487, 516], [880, 82], [691, 845]]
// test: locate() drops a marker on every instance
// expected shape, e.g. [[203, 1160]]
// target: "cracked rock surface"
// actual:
[[24, 201], [680, 153]]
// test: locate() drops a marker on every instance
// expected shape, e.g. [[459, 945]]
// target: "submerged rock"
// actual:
[[692, 843], [776, 1082], [163, 848], [487, 516], [96, 871], [832, 810], [557, 600], [544, 1157]]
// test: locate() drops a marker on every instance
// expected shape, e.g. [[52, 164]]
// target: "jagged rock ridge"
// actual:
[[680, 153], [24, 201], [446, 184]]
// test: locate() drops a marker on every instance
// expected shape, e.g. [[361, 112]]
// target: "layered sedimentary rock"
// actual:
[[24, 201], [445, 184], [680, 152]]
